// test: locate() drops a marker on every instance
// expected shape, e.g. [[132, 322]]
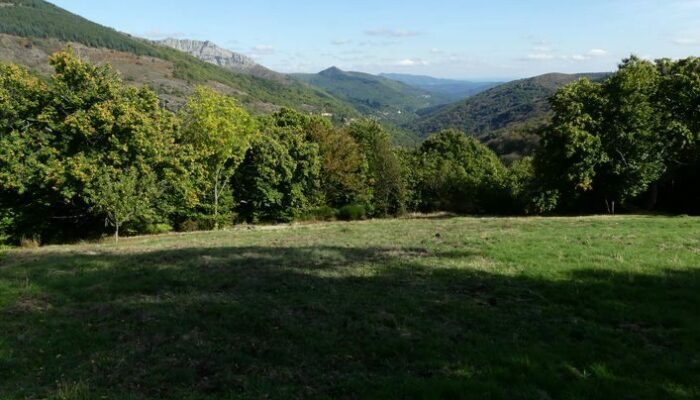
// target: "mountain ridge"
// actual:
[[452, 89]]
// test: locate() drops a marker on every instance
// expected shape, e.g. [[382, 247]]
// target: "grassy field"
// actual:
[[561, 308]]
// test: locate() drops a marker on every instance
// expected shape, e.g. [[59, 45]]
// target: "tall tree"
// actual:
[[216, 133], [603, 144], [279, 178], [343, 168]]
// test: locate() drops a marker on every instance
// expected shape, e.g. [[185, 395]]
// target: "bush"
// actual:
[[352, 213], [324, 213], [156, 229]]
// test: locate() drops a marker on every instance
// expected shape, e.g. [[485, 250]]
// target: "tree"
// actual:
[[216, 134], [571, 149], [388, 191], [279, 179], [459, 174], [603, 141], [123, 195], [343, 168], [84, 119], [630, 133]]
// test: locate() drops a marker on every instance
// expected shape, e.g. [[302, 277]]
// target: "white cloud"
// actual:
[[341, 42], [687, 41], [597, 53], [542, 53], [412, 62], [393, 33]]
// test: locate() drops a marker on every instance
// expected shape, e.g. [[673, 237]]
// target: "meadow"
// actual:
[[427, 308]]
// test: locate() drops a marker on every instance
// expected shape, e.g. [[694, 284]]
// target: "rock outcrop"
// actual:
[[211, 53]]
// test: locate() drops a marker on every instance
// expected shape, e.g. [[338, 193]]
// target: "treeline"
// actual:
[[82, 154]]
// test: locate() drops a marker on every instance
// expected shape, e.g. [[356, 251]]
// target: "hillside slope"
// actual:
[[373, 95], [506, 106], [453, 90], [33, 29]]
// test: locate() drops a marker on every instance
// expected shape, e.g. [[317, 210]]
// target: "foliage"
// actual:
[[343, 168], [610, 141], [123, 195], [279, 179], [40, 19], [352, 212], [322, 213], [216, 134], [505, 108], [388, 190], [63, 132], [459, 174]]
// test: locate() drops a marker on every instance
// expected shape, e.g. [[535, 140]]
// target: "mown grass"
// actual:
[[561, 308]]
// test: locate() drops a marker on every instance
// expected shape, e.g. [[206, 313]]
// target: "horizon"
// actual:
[[516, 40]]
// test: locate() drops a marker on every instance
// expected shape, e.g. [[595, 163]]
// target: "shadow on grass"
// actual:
[[334, 322]]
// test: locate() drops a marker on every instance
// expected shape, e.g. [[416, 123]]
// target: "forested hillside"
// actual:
[[503, 108], [49, 28], [383, 98]]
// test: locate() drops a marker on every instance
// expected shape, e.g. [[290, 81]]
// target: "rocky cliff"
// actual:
[[211, 53]]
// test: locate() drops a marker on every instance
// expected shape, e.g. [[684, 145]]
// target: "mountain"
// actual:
[[31, 30], [373, 95], [451, 89], [213, 54], [513, 104]]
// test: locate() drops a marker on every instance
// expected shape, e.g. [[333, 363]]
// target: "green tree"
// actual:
[[123, 195], [387, 187], [603, 144], [279, 178], [343, 168], [215, 135], [459, 174], [85, 118], [571, 149]]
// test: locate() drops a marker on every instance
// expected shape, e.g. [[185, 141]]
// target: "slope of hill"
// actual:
[[33, 29], [451, 89], [373, 95], [507, 106]]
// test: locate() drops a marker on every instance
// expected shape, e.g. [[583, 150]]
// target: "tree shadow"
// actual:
[[340, 322]]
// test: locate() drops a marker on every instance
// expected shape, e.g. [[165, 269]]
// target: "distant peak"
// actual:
[[331, 71]]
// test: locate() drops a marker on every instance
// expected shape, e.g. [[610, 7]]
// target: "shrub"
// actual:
[[156, 229], [355, 212], [324, 213]]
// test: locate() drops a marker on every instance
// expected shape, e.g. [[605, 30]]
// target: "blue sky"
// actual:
[[464, 39]]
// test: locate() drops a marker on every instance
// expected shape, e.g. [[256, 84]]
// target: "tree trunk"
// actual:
[[216, 202], [116, 233]]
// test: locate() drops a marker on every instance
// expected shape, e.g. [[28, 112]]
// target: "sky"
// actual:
[[459, 39]]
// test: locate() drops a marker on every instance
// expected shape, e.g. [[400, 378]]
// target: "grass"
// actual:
[[561, 308]]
